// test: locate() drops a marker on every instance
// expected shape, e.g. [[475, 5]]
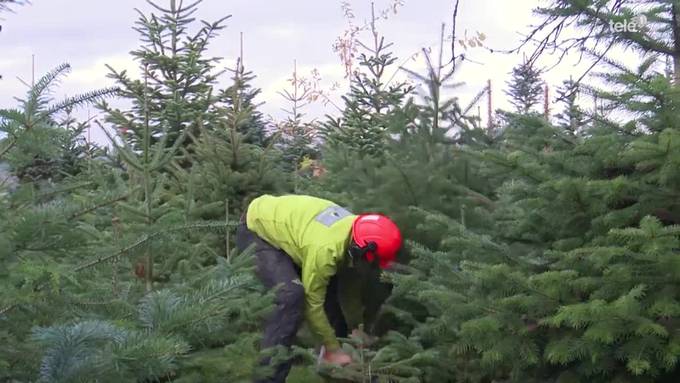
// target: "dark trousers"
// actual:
[[276, 268]]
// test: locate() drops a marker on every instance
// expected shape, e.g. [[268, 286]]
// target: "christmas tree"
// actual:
[[525, 88], [120, 282], [545, 251], [371, 103], [176, 90]]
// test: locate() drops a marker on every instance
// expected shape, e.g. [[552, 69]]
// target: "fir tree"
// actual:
[[572, 117], [647, 27], [544, 253], [35, 143], [297, 136], [241, 96], [525, 88], [371, 363], [228, 168], [643, 91], [370, 104], [36, 262], [176, 75]]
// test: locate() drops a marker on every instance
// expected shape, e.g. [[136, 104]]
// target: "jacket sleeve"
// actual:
[[317, 269]]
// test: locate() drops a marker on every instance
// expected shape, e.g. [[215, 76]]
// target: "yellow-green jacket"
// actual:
[[315, 233]]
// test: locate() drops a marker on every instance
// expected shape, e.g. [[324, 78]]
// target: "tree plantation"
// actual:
[[541, 243]]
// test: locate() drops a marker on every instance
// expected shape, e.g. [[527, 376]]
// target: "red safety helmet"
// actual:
[[380, 230]]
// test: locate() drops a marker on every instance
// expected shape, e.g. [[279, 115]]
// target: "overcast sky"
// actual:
[[89, 34]]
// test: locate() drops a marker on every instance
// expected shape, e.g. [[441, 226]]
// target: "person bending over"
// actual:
[[309, 250]]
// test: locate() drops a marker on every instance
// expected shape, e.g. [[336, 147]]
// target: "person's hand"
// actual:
[[338, 357]]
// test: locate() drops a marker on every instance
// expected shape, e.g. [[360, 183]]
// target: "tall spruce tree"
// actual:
[[240, 95], [297, 137], [525, 88], [179, 78], [572, 116], [364, 124], [229, 166]]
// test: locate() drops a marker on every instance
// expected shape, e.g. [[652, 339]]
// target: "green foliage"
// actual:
[[371, 106], [227, 168], [36, 145], [388, 364], [239, 100], [108, 275], [232, 158], [84, 351], [572, 116], [641, 90], [237, 361], [169, 323], [595, 20], [174, 93], [296, 136], [574, 275], [541, 253], [525, 87]]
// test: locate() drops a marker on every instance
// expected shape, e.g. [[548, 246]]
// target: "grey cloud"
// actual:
[[86, 33]]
